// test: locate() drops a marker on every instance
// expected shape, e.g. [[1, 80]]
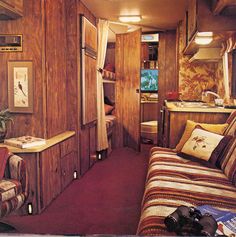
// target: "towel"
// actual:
[[4, 155]]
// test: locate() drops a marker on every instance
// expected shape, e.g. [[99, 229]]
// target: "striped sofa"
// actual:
[[13, 186], [173, 181]]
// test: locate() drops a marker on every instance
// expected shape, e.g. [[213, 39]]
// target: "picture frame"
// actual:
[[20, 86]]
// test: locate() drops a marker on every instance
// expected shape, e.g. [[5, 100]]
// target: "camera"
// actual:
[[187, 221]]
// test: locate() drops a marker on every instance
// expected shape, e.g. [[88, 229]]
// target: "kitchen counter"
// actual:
[[176, 114], [201, 108]]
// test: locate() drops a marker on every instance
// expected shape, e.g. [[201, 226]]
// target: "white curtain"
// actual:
[[226, 76], [102, 143], [227, 47]]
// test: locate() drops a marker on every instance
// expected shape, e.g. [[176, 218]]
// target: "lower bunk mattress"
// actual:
[[110, 123]]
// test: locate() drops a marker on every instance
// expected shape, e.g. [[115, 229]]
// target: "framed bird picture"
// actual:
[[20, 86]]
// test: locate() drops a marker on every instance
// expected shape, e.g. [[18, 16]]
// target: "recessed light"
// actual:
[[136, 18]]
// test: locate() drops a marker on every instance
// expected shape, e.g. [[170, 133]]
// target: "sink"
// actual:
[[185, 104]]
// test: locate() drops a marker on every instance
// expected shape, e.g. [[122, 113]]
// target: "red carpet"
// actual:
[[106, 200]]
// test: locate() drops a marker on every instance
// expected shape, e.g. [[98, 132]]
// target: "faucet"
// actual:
[[205, 93], [218, 100]]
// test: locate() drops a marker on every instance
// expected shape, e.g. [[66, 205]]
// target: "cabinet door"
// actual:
[[192, 18], [92, 144], [67, 169], [84, 151], [50, 168]]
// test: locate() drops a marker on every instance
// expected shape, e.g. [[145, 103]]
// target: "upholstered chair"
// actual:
[[13, 183]]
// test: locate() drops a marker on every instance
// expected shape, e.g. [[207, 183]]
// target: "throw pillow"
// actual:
[[205, 145], [108, 109], [190, 125]]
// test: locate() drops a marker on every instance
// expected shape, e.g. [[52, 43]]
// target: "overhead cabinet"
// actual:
[[11, 9], [224, 7], [200, 18]]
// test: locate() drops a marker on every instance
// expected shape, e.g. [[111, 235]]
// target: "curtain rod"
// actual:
[[137, 25]]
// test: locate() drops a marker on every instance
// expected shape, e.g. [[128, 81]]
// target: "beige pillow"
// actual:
[[190, 125], [202, 144]]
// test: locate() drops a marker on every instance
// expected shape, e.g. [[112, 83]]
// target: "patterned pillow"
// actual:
[[229, 162], [205, 145], [190, 125]]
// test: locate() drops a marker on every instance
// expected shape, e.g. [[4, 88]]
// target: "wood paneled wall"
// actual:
[[31, 26], [74, 120], [44, 42], [110, 54], [168, 80], [55, 57], [51, 38]]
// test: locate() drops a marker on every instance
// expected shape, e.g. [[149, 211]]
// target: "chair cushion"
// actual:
[[9, 189]]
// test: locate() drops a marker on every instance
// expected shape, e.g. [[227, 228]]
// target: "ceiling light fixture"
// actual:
[[205, 34], [136, 18], [203, 40]]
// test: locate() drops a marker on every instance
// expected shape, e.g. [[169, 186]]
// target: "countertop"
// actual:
[[49, 142], [171, 106]]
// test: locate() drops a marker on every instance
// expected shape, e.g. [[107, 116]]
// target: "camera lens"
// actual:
[[171, 222]]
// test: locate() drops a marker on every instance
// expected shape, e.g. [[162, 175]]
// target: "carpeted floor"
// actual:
[[106, 200]]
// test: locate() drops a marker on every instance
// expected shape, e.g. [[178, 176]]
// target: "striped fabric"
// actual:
[[229, 162], [14, 186], [231, 129], [173, 181]]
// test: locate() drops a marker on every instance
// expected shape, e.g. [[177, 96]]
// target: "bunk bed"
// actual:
[[110, 121], [109, 90]]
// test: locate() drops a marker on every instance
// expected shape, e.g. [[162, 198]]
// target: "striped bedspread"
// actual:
[[173, 181]]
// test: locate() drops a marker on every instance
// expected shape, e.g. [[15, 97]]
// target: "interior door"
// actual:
[[128, 53]]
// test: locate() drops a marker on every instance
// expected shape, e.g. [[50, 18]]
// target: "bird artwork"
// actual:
[[20, 87], [199, 141]]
